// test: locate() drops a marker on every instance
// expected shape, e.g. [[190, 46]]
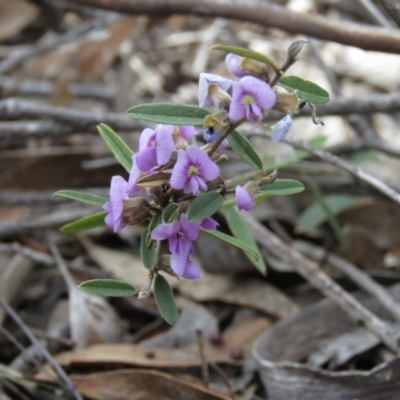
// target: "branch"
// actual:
[[312, 272], [19, 108], [267, 15]]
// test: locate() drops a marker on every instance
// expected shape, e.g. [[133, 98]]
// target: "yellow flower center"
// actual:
[[193, 170], [247, 100]]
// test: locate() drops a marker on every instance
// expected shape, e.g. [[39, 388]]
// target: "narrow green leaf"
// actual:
[[306, 90], [118, 147], [170, 213], [240, 51], [315, 215], [231, 240], [245, 150], [165, 300], [83, 197], [155, 221], [148, 254], [169, 113], [282, 187], [108, 287], [241, 232], [85, 223], [204, 206]]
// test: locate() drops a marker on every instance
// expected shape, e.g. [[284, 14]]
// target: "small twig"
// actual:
[[37, 256], [312, 272], [224, 378], [358, 276], [393, 9], [49, 358], [204, 362]]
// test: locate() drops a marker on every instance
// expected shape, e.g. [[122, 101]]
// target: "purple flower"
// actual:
[[281, 128], [187, 131], [192, 169], [233, 63], [249, 96], [155, 147], [180, 233], [181, 264], [115, 206], [204, 80], [243, 199], [133, 177]]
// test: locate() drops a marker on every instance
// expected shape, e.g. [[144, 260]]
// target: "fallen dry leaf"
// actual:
[[248, 292], [141, 385]]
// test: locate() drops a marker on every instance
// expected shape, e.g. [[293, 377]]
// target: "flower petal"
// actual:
[[180, 173], [115, 208], [187, 131], [164, 143], [204, 80], [281, 128], [233, 64], [145, 138], [263, 94], [190, 229], [192, 271], [206, 167], [243, 199], [209, 223], [146, 159], [237, 109], [165, 231], [133, 177]]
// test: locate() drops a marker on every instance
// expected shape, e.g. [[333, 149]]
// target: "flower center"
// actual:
[[193, 170], [247, 100], [153, 143]]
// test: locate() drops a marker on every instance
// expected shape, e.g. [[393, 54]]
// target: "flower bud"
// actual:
[[245, 195], [219, 97], [136, 210], [242, 66], [287, 103]]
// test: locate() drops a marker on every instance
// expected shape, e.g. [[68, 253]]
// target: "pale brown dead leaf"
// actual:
[[121, 265], [141, 385], [15, 15], [247, 292]]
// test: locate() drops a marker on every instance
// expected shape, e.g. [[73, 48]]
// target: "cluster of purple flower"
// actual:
[[189, 168]]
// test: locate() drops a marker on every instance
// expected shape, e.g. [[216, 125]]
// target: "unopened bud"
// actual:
[[287, 103], [295, 48], [251, 188], [136, 210], [255, 68], [219, 97]]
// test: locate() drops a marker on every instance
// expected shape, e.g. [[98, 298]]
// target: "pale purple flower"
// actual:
[[181, 264], [192, 169], [206, 79], [155, 147], [133, 177], [243, 199], [187, 131], [233, 63], [181, 233], [115, 205], [281, 128], [249, 96]]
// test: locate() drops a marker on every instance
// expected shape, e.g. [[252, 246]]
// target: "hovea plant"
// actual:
[[174, 187]]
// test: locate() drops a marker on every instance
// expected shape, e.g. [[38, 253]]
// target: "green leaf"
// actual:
[[204, 206], [231, 240], [306, 90], [108, 287], [240, 51], [169, 113], [118, 147], [170, 213], [241, 232], [282, 187], [315, 215], [148, 253], [165, 300], [83, 197], [85, 223], [245, 150]]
